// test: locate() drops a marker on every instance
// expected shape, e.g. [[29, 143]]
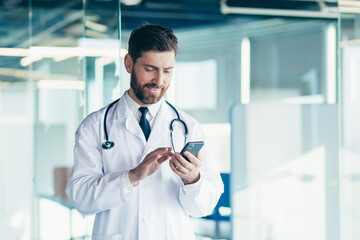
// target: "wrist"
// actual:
[[194, 180], [132, 178]]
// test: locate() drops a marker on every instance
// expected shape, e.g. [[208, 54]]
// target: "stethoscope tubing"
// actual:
[[109, 144]]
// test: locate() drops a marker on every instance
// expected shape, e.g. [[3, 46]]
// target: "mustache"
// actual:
[[153, 85]]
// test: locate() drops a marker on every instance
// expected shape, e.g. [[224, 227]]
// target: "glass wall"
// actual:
[[16, 127], [284, 72], [61, 61], [58, 63], [274, 60], [285, 171], [350, 116], [284, 132]]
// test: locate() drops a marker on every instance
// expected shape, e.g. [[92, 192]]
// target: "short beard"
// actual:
[[139, 90]]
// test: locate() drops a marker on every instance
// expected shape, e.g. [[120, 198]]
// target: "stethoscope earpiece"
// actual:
[[107, 145]]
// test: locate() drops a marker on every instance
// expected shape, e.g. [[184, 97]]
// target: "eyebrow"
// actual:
[[148, 65]]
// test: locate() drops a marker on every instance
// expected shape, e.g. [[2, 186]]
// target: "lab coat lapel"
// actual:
[[133, 126], [122, 112], [160, 132]]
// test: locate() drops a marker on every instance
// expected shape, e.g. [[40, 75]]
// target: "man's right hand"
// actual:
[[149, 165]]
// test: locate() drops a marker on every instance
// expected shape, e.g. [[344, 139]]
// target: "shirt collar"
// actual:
[[134, 106]]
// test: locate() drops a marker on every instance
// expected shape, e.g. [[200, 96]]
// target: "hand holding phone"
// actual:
[[193, 148], [189, 172]]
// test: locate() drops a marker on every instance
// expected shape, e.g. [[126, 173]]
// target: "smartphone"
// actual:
[[193, 148]]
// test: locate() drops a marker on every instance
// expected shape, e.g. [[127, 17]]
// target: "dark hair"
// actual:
[[151, 37]]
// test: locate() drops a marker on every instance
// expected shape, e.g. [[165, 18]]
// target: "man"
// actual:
[[130, 188]]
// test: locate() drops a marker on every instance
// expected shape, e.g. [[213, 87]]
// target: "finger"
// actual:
[[160, 151], [172, 165], [164, 157], [157, 153], [182, 161], [175, 168], [194, 160], [180, 168]]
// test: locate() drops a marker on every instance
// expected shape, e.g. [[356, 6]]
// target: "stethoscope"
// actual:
[[109, 144]]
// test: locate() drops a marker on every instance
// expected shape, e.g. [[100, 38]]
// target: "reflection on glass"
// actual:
[[287, 202], [350, 109], [16, 127], [218, 145], [195, 84], [245, 71], [292, 62], [70, 223], [285, 171], [58, 64]]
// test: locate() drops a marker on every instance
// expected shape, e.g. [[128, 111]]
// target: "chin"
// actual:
[[151, 100]]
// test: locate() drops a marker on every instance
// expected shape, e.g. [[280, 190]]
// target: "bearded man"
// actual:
[[120, 171]]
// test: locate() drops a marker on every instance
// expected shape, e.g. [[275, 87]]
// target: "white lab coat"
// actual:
[[159, 206]]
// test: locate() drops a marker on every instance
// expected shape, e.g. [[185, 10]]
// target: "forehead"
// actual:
[[157, 59]]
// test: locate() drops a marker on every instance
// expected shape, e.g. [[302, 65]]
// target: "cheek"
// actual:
[[142, 77], [168, 79]]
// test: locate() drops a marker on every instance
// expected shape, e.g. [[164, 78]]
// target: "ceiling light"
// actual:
[[62, 84], [34, 54], [26, 61], [130, 2], [14, 52]]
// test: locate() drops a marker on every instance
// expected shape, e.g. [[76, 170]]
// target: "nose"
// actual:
[[159, 78]]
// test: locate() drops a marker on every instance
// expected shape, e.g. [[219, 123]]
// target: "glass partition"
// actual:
[[84, 56], [272, 60], [53, 56], [284, 182], [59, 107], [274, 65], [16, 126], [349, 30], [59, 61]]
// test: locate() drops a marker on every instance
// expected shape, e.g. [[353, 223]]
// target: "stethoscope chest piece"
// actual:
[[107, 145]]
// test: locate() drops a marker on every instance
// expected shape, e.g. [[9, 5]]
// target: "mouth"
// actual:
[[153, 89]]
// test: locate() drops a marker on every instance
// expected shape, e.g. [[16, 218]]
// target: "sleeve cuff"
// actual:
[[127, 187], [194, 188]]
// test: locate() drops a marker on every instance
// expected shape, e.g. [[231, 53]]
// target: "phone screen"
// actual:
[[193, 148]]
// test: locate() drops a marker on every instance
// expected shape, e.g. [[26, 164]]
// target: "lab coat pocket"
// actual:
[[107, 237]]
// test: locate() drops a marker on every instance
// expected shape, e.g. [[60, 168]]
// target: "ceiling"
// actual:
[[61, 22], [25, 23]]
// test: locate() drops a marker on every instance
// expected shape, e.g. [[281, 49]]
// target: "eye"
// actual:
[[149, 69]]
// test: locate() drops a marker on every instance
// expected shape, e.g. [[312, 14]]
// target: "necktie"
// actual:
[[144, 123]]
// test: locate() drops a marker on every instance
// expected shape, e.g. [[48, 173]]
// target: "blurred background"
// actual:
[[275, 84]]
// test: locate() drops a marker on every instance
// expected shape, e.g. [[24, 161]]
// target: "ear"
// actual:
[[128, 63]]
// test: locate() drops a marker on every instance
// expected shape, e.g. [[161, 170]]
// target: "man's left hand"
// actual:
[[189, 172]]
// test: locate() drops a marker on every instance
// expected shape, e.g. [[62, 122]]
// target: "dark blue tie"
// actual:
[[144, 123]]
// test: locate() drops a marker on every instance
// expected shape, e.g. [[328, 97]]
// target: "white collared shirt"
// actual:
[[134, 109]]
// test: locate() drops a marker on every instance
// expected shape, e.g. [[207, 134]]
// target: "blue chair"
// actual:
[[218, 224], [224, 201]]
